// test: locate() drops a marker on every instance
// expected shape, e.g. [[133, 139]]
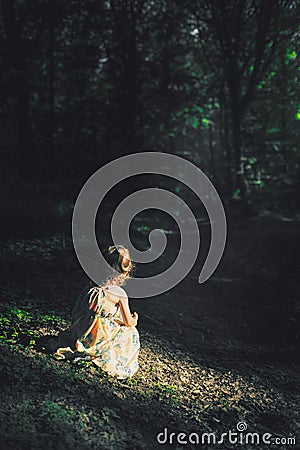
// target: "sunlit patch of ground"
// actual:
[[48, 404]]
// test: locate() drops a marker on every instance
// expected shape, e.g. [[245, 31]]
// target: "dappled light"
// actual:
[[53, 398]]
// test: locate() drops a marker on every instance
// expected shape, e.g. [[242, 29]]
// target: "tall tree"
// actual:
[[246, 36], [15, 64]]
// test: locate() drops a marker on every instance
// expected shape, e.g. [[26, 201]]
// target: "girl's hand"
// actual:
[[135, 317]]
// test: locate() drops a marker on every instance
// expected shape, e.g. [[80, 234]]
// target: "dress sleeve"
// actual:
[[95, 294]]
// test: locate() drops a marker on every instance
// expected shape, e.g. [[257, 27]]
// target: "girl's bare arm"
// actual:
[[130, 320]]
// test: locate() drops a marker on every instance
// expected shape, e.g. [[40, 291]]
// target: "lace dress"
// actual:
[[103, 337]]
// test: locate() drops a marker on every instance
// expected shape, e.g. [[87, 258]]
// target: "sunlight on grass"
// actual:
[[21, 327], [74, 401]]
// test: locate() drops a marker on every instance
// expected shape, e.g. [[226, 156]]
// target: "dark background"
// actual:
[[83, 82]]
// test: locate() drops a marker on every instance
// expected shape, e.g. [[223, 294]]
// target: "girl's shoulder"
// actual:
[[115, 290]]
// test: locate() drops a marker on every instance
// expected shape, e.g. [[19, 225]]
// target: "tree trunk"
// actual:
[[25, 146], [224, 139], [240, 183], [234, 82], [50, 124]]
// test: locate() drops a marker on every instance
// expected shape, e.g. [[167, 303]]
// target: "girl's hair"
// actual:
[[118, 257]]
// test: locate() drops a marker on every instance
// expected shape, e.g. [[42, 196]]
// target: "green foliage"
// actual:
[[195, 123], [167, 392], [108, 414], [205, 122], [57, 415], [154, 78], [273, 130], [36, 248], [20, 327], [291, 55], [20, 314], [191, 118], [237, 194]]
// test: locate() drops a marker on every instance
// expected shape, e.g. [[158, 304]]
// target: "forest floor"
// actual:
[[212, 356]]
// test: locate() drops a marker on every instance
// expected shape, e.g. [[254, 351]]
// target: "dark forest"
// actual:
[[84, 82]]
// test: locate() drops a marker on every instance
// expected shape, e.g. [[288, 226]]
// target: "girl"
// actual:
[[103, 327]]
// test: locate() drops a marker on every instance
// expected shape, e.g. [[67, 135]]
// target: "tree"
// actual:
[[246, 34], [15, 64]]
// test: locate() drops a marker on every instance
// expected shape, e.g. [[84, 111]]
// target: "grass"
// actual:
[[75, 402]]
